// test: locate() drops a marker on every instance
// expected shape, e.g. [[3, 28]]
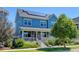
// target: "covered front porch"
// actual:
[[34, 33]]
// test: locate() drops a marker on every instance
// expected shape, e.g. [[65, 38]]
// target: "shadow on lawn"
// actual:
[[60, 49]]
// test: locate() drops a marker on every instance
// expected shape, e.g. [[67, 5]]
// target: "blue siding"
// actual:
[[35, 23], [18, 23], [52, 21]]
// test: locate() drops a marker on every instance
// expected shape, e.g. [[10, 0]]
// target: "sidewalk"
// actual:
[[72, 48]]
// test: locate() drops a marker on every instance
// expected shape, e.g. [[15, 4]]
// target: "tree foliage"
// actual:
[[17, 43], [64, 28], [5, 31]]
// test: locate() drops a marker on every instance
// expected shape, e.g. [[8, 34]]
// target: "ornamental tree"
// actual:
[[64, 28], [6, 32]]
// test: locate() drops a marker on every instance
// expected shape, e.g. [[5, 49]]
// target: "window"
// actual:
[[25, 22], [20, 32], [27, 34], [28, 22], [44, 34], [43, 23]]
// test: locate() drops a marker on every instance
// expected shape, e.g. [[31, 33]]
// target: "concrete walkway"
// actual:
[[42, 45], [19, 49]]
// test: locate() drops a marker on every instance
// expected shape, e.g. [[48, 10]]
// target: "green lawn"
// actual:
[[38, 50], [54, 49]]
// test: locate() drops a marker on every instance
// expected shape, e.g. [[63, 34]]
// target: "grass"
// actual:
[[58, 49], [39, 50], [54, 49]]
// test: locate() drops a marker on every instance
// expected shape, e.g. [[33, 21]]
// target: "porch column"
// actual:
[[41, 36], [22, 34], [47, 35], [36, 36]]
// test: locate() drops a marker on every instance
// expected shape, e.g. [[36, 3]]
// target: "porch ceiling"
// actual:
[[35, 29]]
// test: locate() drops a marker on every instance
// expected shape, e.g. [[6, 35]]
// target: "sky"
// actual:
[[71, 12]]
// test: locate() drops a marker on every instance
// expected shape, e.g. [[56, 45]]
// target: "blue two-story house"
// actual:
[[32, 25]]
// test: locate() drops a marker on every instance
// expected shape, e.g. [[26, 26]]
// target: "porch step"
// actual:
[[42, 45]]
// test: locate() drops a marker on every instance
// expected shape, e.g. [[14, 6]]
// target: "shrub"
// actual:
[[21, 43], [30, 44], [76, 41], [18, 43], [50, 42], [60, 42], [8, 43]]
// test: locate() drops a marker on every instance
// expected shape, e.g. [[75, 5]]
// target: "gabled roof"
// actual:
[[76, 19], [34, 15]]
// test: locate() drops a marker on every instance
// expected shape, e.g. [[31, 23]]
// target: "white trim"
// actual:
[[41, 36], [36, 36], [35, 29], [22, 34]]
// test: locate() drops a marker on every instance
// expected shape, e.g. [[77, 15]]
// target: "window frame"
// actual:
[[44, 23], [27, 20]]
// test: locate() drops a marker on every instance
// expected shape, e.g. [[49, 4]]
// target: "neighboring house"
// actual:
[[76, 20], [3, 13], [32, 25]]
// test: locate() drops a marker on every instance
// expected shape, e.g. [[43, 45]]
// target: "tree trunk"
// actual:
[[64, 45]]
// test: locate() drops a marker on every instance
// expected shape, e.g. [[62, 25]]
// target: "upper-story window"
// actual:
[[28, 22], [43, 23]]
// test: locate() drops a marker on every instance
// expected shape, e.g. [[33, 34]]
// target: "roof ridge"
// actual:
[[34, 13]]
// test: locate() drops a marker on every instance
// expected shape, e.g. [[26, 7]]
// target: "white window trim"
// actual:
[[43, 21], [27, 22]]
